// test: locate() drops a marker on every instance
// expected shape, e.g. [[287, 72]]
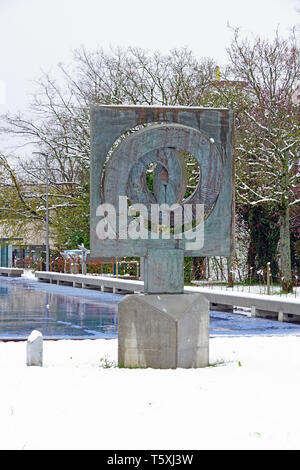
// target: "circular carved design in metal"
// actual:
[[165, 145]]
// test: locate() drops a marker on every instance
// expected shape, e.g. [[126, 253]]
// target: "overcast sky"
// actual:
[[37, 34]]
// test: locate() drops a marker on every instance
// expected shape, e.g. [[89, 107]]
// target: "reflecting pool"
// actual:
[[58, 312], [62, 312]]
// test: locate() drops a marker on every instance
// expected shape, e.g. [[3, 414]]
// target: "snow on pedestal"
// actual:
[[35, 349]]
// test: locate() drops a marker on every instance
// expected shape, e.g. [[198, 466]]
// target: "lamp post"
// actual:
[[47, 207]]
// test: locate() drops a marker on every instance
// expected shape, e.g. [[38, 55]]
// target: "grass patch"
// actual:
[[106, 363], [217, 363]]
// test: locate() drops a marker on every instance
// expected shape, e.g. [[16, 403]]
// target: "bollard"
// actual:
[[35, 349]]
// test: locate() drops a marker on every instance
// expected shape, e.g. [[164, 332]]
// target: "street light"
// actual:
[[47, 207]]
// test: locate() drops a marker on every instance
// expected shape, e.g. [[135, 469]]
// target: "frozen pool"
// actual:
[[61, 312]]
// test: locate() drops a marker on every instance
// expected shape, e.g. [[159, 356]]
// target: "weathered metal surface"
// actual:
[[164, 271], [108, 123], [205, 134], [169, 177], [148, 144]]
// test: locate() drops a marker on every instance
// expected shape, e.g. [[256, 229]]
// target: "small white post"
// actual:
[[280, 315], [35, 349]]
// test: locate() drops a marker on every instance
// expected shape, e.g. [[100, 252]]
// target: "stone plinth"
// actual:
[[163, 331], [35, 349]]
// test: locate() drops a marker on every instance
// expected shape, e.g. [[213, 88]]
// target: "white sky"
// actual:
[[37, 34]]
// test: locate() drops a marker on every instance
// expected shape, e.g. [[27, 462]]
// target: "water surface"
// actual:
[[62, 312], [57, 311]]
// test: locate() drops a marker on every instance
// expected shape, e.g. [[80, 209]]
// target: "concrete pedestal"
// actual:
[[163, 331]]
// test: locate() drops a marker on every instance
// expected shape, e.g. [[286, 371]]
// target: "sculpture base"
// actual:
[[163, 331]]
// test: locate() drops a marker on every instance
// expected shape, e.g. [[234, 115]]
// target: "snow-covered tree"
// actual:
[[268, 140]]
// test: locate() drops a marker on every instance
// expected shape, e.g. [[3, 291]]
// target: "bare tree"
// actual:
[[57, 122]]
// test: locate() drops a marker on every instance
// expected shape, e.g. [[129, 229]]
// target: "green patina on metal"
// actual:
[[171, 132]]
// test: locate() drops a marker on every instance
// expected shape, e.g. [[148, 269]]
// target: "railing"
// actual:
[[11, 272], [260, 305]]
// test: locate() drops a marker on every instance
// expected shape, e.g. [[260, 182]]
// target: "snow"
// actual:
[[78, 401], [255, 291], [34, 335], [29, 274], [154, 106]]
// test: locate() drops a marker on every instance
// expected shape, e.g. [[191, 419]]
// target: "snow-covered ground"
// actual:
[[255, 289], [29, 274], [247, 400]]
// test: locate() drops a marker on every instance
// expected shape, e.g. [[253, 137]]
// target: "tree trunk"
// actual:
[[198, 268], [251, 259], [285, 251], [229, 272]]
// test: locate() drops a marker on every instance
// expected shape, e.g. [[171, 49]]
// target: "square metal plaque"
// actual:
[[124, 139]]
